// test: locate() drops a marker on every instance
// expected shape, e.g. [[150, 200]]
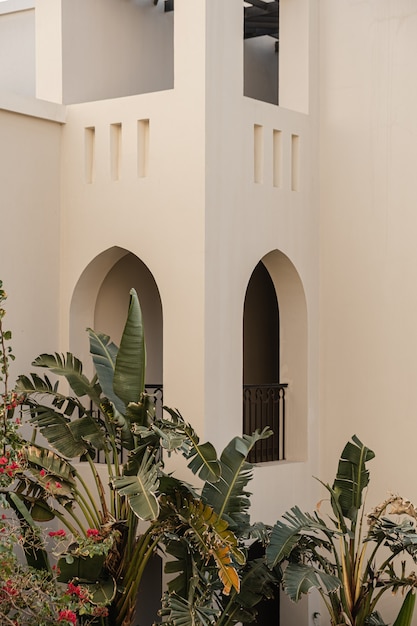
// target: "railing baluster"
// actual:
[[264, 405]]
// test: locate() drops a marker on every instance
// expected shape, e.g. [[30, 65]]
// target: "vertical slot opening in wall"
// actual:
[[115, 150], [295, 162], [143, 148], [277, 158], [89, 153], [258, 141]]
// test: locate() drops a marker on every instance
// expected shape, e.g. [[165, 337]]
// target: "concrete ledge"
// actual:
[[32, 107], [13, 6]]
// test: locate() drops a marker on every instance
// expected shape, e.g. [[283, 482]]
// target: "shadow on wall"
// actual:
[[123, 49]]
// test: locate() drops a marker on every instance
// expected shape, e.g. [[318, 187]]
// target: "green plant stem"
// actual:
[[5, 362], [137, 555], [89, 495], [229, 618], [144, 549], [63, 518], [87, 512], [99, 486], [132, 528], [113, 502], [224, 614]]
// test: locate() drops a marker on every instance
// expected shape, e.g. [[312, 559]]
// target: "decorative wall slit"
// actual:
[[143, 148], [295, 162], [277, 158], [258, 136], [89, 153], [115, 150]]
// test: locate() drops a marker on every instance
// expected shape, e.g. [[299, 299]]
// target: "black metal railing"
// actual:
[[264, 405]]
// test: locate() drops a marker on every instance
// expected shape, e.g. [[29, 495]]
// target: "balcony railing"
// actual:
[[264, 405]]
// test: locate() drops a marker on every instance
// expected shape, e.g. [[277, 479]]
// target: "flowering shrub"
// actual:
[[31, 597], [94, 544]]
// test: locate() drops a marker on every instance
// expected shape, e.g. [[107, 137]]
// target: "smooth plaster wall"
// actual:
[[122, 48], [368, 238], [190, 220], [158, 217], [29, 253], [17, 48]]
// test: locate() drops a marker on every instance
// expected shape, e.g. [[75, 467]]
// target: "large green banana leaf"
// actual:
[[35, 386], [298, 579], [211, 536], [141, 489], [351, 479], [202, 458], [71, 438], [120, 422], [104, 352], [287, 535], [405, 616], [258, 583], [178, 611], [179, 548], [397, 535], [53, 464], [129, 373], [227, 496], [71, 368]]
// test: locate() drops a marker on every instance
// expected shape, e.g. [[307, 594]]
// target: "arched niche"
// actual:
[[275, 336], [101, 298]]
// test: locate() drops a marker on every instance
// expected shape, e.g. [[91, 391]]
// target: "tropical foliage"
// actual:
[[349, 557], [117, 524]]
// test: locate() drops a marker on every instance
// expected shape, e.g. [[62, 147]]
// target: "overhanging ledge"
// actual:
[[51, 111]]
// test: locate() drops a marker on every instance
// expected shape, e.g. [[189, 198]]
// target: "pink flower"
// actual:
[[58, 485], [92, 532], [42, 473], [67, 616]]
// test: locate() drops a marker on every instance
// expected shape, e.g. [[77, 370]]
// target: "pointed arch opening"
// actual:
[[275, 359], [101, 299]]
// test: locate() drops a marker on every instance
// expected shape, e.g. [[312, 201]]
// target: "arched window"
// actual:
[[275, 359], [263, 395]]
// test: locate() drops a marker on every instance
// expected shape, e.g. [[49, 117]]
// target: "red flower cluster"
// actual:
[[7, 466], [57, 533], [93, 533], [12, 400], [8, 589], [50, 485], [77, 590], [67, 616]]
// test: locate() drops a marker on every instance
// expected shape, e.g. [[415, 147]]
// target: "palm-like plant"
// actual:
[[331, 555], [204, 532]]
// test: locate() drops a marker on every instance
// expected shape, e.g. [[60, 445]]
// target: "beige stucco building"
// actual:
[[261, 198]]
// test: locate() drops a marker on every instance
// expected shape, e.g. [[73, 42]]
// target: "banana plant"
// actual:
[[204, 531], [338, 555]]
